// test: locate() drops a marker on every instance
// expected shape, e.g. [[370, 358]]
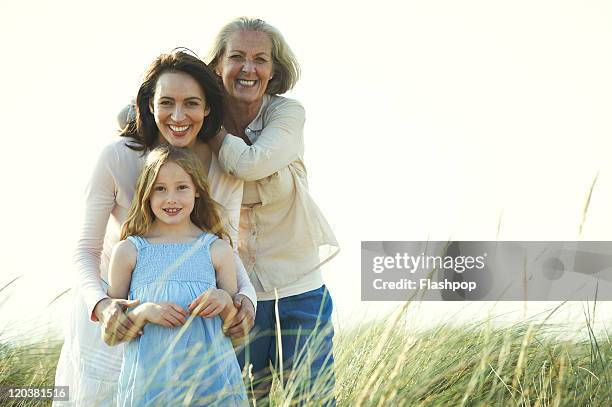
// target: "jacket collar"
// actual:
[[257, 123]]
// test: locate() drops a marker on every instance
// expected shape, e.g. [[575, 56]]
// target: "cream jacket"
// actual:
[[285, 239]]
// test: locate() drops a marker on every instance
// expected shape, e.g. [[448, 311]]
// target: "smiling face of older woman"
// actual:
[[246, 67]]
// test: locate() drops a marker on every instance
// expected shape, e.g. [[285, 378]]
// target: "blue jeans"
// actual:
[[306, 344]]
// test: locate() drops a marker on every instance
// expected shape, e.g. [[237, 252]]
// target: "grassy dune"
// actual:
[[474, 365], [28, 365], [385, 364]]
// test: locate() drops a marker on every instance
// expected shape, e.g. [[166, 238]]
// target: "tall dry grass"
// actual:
[[386, 363]]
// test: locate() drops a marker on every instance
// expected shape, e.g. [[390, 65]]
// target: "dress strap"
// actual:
[[209, 238], [138, 241]]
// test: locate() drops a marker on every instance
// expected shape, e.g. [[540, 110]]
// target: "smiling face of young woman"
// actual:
[[179, 107], [247, 66]]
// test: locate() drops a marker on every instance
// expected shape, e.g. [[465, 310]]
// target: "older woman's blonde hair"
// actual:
[[206, 213], [286, 67]]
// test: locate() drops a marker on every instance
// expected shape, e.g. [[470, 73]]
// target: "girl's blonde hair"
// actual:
[[206, 212]]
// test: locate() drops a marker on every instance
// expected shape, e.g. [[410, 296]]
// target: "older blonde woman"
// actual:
[[282, 231]]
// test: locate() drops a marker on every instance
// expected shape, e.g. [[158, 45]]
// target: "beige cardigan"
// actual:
[[107, 201], [285, 239]]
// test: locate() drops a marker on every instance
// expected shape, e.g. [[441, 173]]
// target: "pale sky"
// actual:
[[425, 120]]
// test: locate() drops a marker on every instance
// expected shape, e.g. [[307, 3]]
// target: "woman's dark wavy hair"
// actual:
[[143, 130]]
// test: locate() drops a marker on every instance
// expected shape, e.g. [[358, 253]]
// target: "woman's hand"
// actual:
[[127, 114], [244, 319], [116, 325], [211, 303], [165, 314]]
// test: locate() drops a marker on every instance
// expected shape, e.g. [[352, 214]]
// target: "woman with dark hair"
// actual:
[[282, 232], [179, 103]]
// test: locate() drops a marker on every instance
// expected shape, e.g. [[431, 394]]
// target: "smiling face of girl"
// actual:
[[179, 107], [173, 195]]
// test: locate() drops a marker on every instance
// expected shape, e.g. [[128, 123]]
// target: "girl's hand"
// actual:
[[165, 314], [127, 114], [116, 325], [211, 303]]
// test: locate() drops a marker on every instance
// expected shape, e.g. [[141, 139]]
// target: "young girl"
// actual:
[[171, 250]]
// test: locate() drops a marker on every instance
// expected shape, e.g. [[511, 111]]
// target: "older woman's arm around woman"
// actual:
[[279, 143]]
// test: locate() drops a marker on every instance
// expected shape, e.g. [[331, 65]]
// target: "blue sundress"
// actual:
[[190, 365]]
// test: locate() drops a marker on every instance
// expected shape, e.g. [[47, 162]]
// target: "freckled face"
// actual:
[[179, 108], [246, 67]]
